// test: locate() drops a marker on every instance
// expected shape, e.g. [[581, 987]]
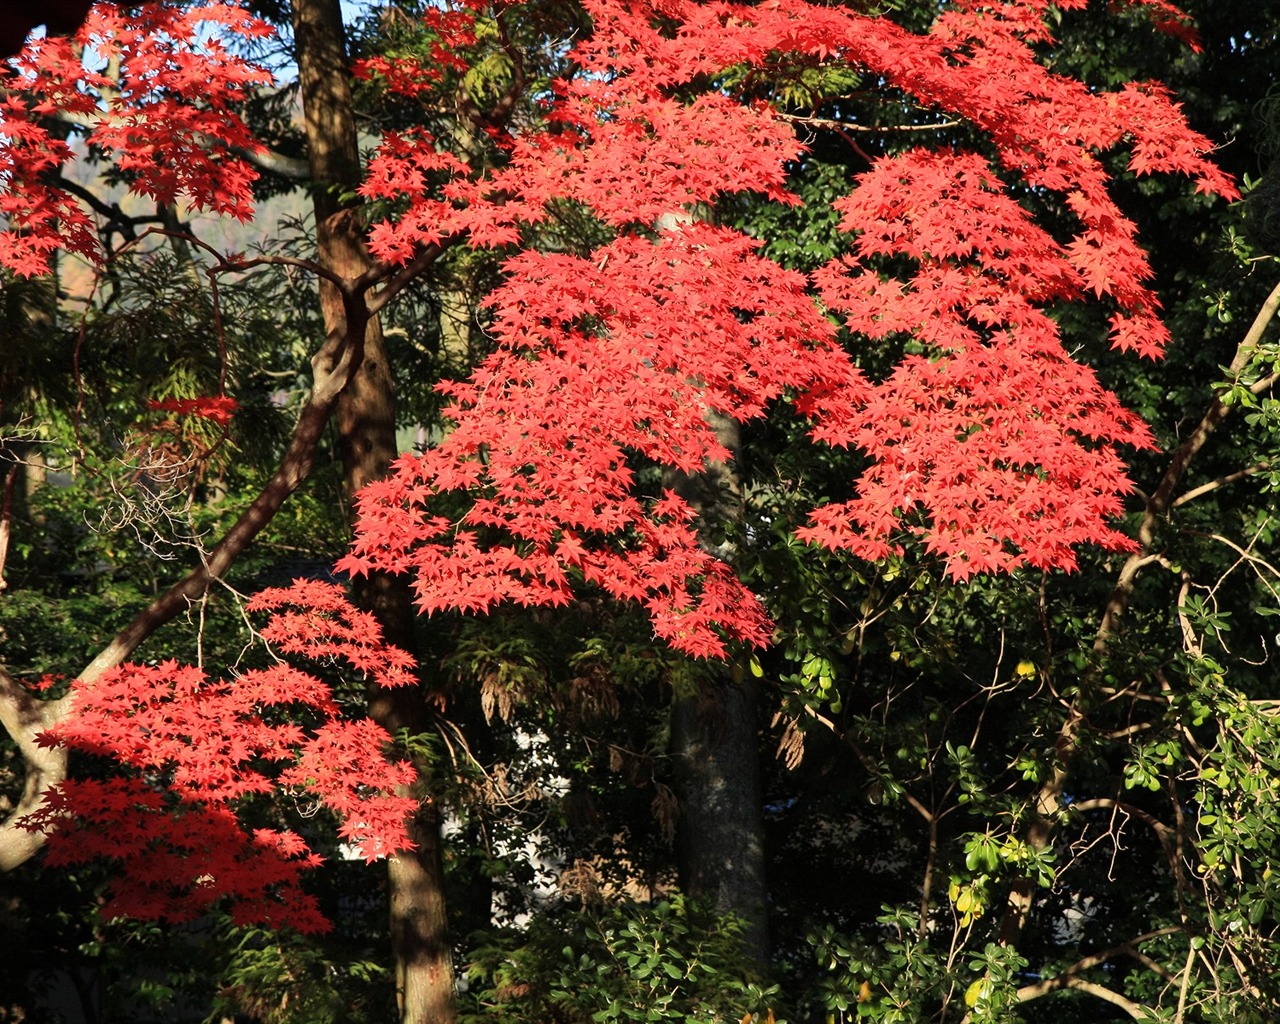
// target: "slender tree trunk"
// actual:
[[365, 420]]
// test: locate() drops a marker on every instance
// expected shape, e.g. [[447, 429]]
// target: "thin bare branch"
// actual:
[[1246, 555], [1107, 803], [1213, 485], [231, 263]]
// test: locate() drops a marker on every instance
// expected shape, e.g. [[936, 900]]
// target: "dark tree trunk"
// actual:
[[365, 421], [715, 742], [715, 739]]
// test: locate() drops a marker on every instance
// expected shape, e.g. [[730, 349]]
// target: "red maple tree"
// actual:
[[994, 447]]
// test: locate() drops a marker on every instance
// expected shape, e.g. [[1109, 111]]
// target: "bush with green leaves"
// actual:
[[606, 962]]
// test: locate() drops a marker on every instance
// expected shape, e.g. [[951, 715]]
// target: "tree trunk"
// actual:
[[716, 746], [715, 740], [365, 421]]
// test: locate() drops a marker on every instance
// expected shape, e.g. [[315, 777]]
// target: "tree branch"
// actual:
[[281, 164], [1213, 485], [845, 126], [1043, 988], [1048, 802], [1167, 834], [6, 513], [115, 217], [1069, 977], [235, 265], [24, 717], [868, 762], [427, 255], [1245, 554], [291, 167]]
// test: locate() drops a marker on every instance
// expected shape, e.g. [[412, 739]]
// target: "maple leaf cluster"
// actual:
[[995, 448], [196, 750], [550, 459], [152, 86]]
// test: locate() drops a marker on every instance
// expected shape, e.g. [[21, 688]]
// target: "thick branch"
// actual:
[[281, 164], [291, 167], [1069, 979], [334, 366], [1213, 485], [24, 717], [1043, 988], [1129, 948], [401, 278]]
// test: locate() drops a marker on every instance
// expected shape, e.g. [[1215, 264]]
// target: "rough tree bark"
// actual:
[[365, 420]]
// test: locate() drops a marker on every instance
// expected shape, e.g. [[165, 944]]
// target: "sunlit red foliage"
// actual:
[[995, 448], [992, 447], [195, 751]]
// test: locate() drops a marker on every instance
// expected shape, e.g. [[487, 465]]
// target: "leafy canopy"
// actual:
[[990, 444]]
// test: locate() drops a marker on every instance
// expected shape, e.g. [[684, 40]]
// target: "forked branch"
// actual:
[[24, 716]]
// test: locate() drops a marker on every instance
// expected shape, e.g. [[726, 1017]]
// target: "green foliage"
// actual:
[[905, 977], [803, 237], [614, 962], [280, 978]]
